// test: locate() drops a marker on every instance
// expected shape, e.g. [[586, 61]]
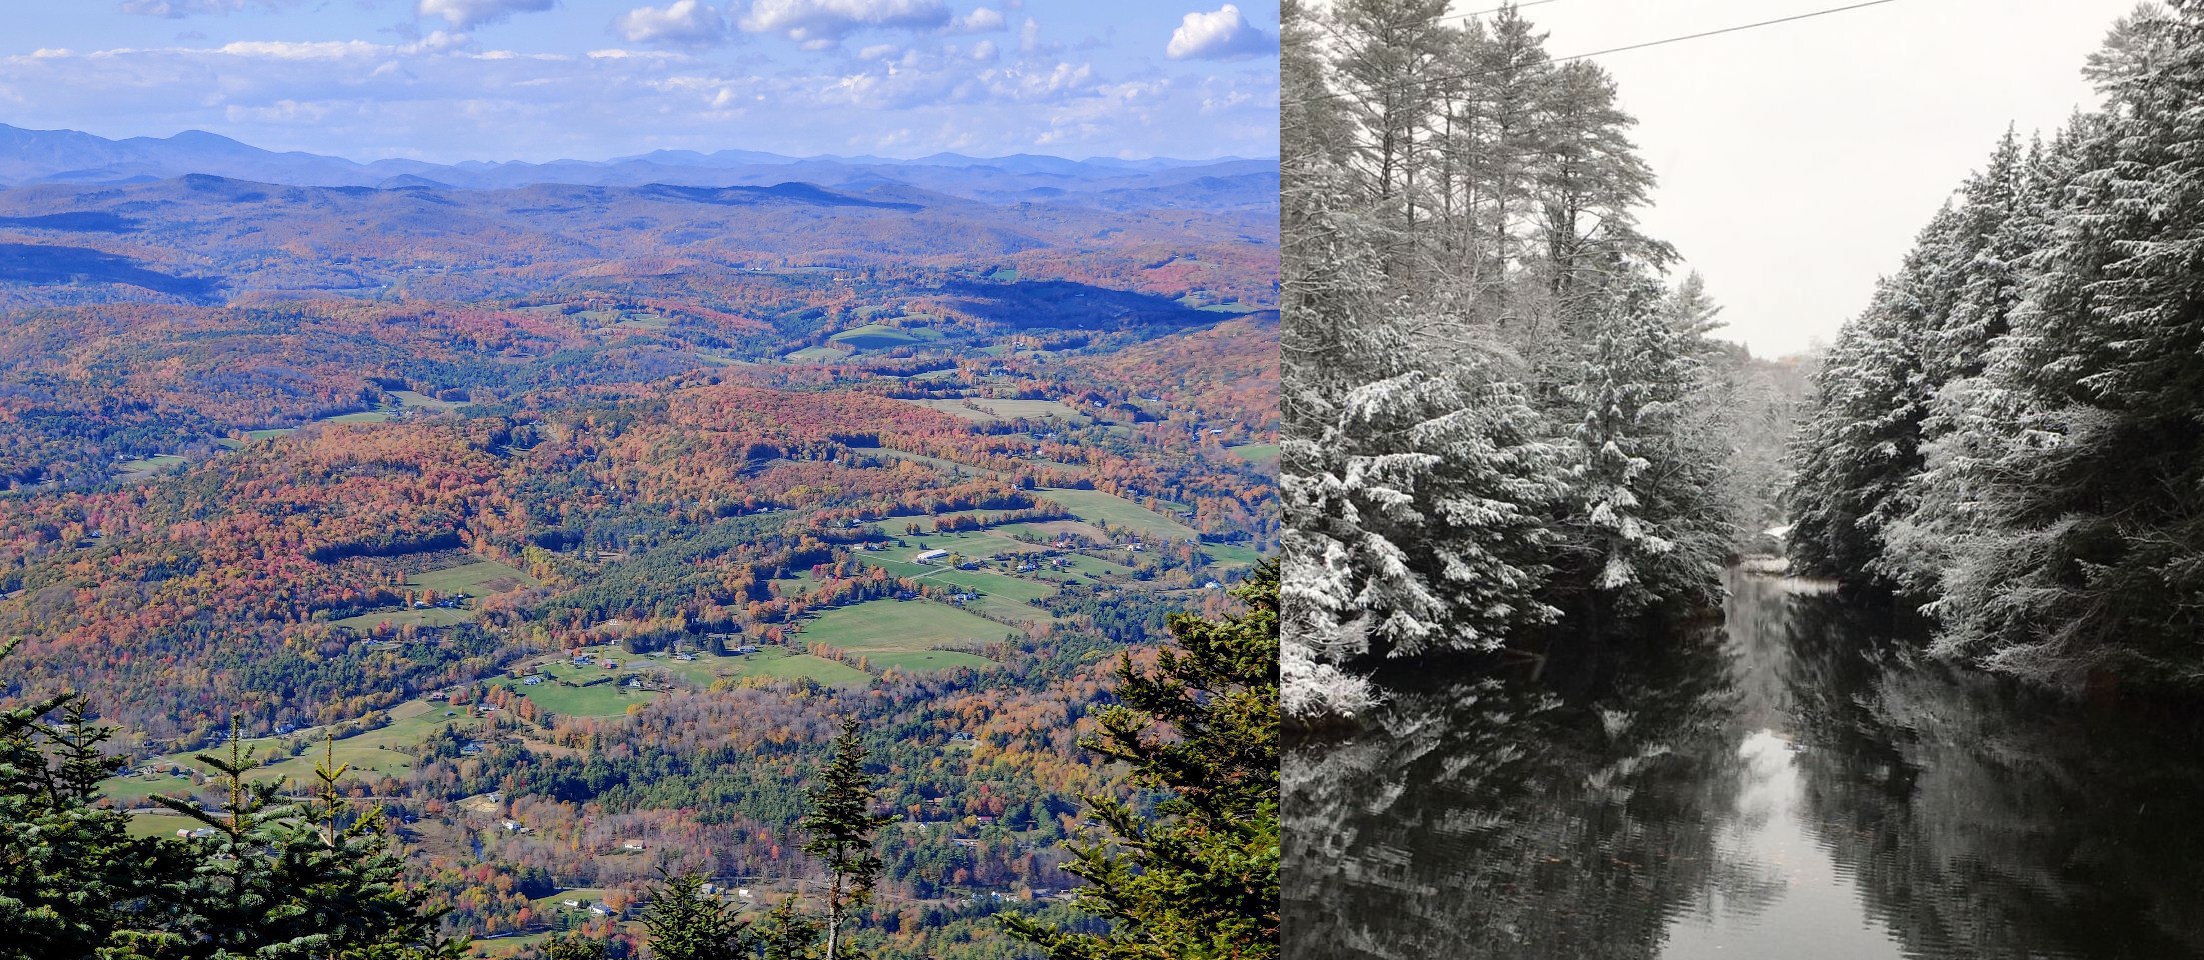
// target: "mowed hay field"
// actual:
[[478, 578], [1264, 455], [385, 750], [160, 824], [767, 662], [879, 336], [991, 410], [910, 635], [1098, 507], [590, 691]]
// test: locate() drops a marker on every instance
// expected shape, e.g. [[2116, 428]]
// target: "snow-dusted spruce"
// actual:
[[1486, 382], [2014, 433], [1418, 519], [1642, 489]]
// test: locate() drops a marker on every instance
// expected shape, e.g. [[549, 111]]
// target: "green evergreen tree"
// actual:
[[280, 878], [842, 826], [571, 946], [686, 923], [73, 882], [785, 934], [1199, 880], [285, 876]]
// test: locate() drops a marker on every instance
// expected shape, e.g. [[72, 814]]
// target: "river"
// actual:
[[1793, 784]]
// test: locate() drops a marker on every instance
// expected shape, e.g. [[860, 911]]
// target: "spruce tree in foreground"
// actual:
[[785, 934], [842, 825], [685, 923], [281, 877], [1199, 880]]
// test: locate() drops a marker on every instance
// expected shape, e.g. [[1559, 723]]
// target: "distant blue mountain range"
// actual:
[[73, 157]]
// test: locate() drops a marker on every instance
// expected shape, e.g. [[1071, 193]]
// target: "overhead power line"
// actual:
[[1336, 94], [1465, 18]]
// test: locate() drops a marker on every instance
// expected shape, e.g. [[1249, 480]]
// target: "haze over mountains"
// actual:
[[73, 157]]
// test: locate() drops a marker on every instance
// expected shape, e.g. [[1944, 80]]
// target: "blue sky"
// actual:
[[449, 80]]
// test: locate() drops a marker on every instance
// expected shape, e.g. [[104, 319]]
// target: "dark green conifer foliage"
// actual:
[[685, 923], [785, 934], [280, 878], [72, 879], [842, 825], [1199, 880], [571, 947]]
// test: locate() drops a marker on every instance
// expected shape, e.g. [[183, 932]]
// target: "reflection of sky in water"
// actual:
[[1803, 906]]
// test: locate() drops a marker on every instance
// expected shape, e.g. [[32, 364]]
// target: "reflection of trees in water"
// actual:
[[1978, 819], [1488, 820], [1982, 820]]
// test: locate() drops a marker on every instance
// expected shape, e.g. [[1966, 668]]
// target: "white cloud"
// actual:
[[307, 50], [1222, 34], [179, 9], [469, 13], [821, 24], [683, 23], [980, 20], [910, 85]]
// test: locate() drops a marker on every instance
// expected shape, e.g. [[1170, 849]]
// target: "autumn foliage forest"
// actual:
[[389, 467]]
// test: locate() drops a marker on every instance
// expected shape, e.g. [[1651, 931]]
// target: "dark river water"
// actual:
[[1791, 785]]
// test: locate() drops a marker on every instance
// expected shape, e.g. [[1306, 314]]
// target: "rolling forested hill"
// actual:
[[574, 512]]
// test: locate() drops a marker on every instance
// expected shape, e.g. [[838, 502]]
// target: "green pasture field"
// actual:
[[380, 751], [1095, 505], [1260, 454], [992, 409], [405, 400], [891, 633], [781, 664], [607, 699], [480, 577], [973, 544], [922, 661], [160, 824], [132, 471], [408, 617], [877, 336], [1094, 567], [1000, 594], [1051, 529], [1231, 556], [774, 662]]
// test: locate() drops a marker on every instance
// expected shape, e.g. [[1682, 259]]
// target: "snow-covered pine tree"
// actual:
[[1642, 491], [1969, 290], [2102, 553], [1417, 525], [1861, 442]]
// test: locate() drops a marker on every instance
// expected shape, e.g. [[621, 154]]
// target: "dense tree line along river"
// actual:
[[1790, 783]]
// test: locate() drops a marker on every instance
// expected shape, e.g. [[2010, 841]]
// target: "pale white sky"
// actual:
[[1798, 160]]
